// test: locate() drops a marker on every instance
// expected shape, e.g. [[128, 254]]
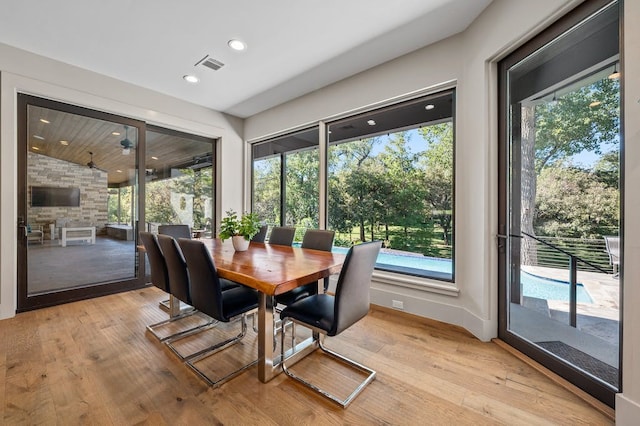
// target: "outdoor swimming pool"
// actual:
[[532, 285], [549, 289]]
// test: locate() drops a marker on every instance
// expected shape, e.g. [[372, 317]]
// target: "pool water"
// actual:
[[408, 261], [548, 289], [532, 285]]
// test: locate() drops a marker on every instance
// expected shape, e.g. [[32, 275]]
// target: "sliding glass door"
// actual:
[[560, 199], [179, 177], [88, 183], [79, 172]]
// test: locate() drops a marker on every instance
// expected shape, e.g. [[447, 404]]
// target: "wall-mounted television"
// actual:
[[49, 196]]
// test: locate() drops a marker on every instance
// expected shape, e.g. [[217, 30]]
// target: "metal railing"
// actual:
[[573, 272], [593, 251]]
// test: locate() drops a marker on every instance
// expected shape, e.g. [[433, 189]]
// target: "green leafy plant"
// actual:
[[246, 226]]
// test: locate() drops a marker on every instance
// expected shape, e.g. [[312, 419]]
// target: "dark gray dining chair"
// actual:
[[175, 231], [331, 315], [261, 235], [282, 235], [176, 268], [220, 299], [317, 239], [161, 279]]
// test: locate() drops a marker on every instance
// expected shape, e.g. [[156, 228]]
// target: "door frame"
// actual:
[[596, 388], [24, 301]]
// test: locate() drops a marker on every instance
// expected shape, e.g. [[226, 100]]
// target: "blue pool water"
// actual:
[[532, 285], [548, 289]]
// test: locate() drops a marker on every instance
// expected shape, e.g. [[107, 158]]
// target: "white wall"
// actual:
[[467, 61], [628, 403], [28, 73], [470, 60]]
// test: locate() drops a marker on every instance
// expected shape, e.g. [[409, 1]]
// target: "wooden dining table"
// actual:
[[273, 270]]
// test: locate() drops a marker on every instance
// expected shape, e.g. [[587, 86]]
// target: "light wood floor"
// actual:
[[92, 362]]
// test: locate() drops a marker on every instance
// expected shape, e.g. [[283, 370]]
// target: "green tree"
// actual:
[[346, 161], [302, 186], [438, 175], [572, 202], [266, 189], [198, 183], [158, 203], [400, 192], [551, 132], [607, 169]]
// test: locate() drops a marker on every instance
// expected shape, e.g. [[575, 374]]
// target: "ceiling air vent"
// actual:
[[210, 63]]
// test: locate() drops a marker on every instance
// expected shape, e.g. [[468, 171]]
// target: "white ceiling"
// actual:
[[294, 46]]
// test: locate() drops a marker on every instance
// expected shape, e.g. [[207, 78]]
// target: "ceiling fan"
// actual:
[[126, 143], [91, 164]]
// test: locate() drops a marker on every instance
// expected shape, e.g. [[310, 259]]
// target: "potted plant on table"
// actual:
[[240, 230]]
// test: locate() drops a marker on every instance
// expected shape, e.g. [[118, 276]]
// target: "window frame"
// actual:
[[323, 136]]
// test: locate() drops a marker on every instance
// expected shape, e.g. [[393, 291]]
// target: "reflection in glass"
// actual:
[[79, 246], [179, 181]]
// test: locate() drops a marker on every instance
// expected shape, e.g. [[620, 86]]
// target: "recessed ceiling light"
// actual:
[[38, 137], [236, 44], [35, 148], [430, 106], [371, 122], [190, 78], [65, 143], [154, 158], [45, 121], [119, 171], [115, 133]]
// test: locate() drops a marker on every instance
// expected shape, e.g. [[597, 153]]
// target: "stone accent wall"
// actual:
[[48, 171]]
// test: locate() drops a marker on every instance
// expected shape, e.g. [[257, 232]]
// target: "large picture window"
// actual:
[[390, 177], [285, 180]]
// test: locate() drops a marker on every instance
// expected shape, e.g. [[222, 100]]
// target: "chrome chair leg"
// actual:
[[212, 350], [371, 374], [175, 314], [277, 330]]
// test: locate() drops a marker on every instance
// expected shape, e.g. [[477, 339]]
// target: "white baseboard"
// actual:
[[627, 411], [439, 310]]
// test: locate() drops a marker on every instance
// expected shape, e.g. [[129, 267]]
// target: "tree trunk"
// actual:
[[372, 229], [362, 238], [529, 254]]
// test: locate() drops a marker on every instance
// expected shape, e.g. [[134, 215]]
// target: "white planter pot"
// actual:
[[239, 243]]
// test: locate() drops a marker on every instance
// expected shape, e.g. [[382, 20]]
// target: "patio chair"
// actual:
[[613, 250], [35, 233]]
